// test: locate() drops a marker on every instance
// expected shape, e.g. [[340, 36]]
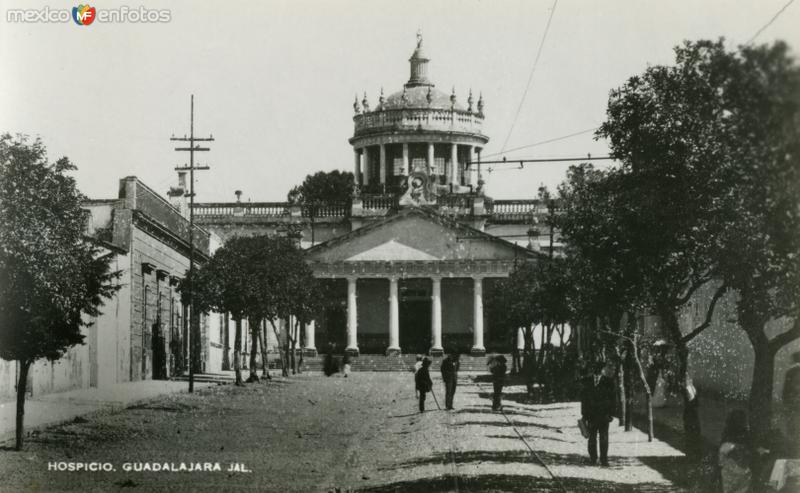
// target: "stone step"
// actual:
[[397, 363]]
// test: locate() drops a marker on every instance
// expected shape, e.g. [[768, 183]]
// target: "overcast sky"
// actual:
[[275, 81]]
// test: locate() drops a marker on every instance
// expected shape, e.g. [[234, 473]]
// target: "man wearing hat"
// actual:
[[423, 382], [597, 406], [497, 367], [449, 369]]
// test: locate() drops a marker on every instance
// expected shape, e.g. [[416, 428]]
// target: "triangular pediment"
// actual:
[[392, 251], [415, 234]]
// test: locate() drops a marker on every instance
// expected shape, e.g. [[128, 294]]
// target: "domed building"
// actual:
[[414, 257], [419, 140]]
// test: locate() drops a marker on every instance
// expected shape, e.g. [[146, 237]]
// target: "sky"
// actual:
[[274, 81]]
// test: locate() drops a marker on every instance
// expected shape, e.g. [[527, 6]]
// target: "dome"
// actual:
[[417, 97]]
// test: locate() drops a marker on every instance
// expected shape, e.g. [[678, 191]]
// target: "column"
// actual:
[[394, 318], [471, 170], [478, 178], [383, 164], [310, 348], [453, 179], [405, 159], [431, 156], [521, 339], [357, 167], [436, 317], [352, 316], [365, 165], [477, 322]]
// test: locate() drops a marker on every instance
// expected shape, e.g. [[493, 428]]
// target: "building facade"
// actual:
[[142, 332], [414, 257]]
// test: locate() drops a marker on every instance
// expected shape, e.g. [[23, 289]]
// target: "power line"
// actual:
[[521, 162], [194, 327], [530, 77], [542, 142], [765, 26]]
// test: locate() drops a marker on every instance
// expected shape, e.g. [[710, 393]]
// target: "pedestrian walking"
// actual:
[[497, 367], [423, 382], [791, 398], [597, 406], [449, 368]]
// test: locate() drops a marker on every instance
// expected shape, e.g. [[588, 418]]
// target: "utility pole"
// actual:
[[193, 318]]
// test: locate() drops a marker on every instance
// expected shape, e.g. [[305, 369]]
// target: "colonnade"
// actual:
[[394, 317], [362, 160]]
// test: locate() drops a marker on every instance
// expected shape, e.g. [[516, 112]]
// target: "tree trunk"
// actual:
[[226, 345], [629, 386], [294, 358], [286, 355], [760, 400], [301, 338], [254, 329], [691, 408], [281, 349], [648, 394], [22, 388], [237, 350], [621, 389], [264, 360], [528, 361], [295, 332]]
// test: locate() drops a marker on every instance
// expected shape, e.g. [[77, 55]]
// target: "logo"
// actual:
[[83, 15]]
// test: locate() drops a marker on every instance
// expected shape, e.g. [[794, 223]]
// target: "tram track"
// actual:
[[522, 438]]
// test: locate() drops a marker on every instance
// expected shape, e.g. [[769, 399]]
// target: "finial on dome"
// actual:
[[419, 65], [356, 106], [453, 97], [381, 100], [428, 96], [365, 102], [469, 101], [480, 105]]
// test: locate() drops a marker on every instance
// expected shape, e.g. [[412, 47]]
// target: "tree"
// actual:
[[665, 129], [51, 274], [283, 287], [333, 188], [222, 285], [260, 278], [759, 251], [714, 141], [604, 273], [533, 294]]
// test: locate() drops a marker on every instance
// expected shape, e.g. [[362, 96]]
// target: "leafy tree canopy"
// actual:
[[324, 187], [51, 274]]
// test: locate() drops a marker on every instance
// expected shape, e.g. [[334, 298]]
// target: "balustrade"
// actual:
[[413, 118]]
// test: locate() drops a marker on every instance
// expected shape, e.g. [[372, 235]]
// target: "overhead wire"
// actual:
[[765, 26], [541, 142], [530, 76]]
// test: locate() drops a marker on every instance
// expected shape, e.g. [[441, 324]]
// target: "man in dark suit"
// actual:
[[450, 376], [423, 382], [597, 406]]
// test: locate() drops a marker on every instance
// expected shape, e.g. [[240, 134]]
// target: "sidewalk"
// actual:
[[51, 409]]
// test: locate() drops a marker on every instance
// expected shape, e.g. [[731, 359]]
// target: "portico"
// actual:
[[415, 282]]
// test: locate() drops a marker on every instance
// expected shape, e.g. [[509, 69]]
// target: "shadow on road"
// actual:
[[513, 484]]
